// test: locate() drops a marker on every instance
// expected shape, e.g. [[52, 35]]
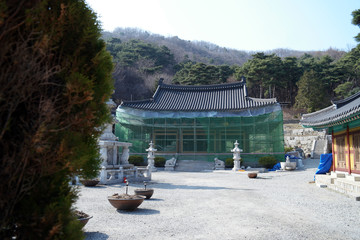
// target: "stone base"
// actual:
[[169, 168], [258, 170], [219, 168], [153, 169]]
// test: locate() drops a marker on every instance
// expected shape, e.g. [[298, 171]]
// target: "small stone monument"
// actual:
[[170, 164], [151, 156], [219, 165], [236, 152], [288, 165]]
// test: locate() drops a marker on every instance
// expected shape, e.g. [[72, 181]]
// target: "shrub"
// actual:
[[229, 162], [267, 161], [137, 160], [160, 161], [288, 149]]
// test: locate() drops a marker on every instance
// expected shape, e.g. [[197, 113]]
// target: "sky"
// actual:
[[250, 25]]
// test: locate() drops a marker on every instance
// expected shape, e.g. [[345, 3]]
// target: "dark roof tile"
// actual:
[[340, 110], [221, 97]]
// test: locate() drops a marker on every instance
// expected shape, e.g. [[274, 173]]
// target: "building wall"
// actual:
[[346, 150], [205, 138]]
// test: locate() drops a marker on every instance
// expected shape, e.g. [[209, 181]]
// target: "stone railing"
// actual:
[[116, 174]]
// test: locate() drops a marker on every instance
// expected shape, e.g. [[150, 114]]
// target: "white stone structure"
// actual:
[[170, 164], [299, 163], [151, 156], [219, 165], [115, 166], [287, 165], [236, 156]]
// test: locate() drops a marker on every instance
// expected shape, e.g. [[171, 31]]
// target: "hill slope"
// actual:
[[206, 52], [136, 54]]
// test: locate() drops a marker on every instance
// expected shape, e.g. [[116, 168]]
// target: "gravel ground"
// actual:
[[225, 205]]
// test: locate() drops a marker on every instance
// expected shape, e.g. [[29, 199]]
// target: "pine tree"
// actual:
[[55, 77], [312, 94]]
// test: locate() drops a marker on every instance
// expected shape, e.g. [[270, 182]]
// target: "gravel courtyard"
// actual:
[[225, 205]]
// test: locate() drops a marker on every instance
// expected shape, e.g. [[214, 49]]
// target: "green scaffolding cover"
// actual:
[[204, 135]]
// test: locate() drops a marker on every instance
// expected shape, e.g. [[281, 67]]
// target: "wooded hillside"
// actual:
[[305, 80]]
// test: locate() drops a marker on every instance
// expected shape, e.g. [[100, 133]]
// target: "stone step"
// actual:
[[347, 186], [339, 184], [322, 179], [338, 175], [320, 144], [193, 165], [319, 148], [354, 178]]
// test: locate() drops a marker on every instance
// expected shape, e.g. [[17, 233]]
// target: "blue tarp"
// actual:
[[325, 163], [278, 166], [275, 167]]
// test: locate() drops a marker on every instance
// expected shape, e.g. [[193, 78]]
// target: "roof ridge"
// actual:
[[202, 87], [306, 115], [342, 102], [137, 101], [262, 99]]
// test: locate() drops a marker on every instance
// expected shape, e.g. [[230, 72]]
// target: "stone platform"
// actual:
[[340, 182]]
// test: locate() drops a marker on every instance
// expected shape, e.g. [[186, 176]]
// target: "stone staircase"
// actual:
[[319, 148], [193, 165], [340, 182], [296, 135]]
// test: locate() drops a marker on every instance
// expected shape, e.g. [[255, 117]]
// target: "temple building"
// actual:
[[203, 122], [342, 121]]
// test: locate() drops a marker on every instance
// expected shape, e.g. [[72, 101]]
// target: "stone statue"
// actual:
[[219, 164], [170, 164]]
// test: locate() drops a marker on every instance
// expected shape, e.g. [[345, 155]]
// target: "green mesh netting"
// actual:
[[204, 138]]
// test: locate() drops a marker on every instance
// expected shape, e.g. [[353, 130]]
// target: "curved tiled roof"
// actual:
[[339, 112], [220, 97]]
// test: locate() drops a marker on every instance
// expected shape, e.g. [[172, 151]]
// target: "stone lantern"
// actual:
[[151, 156], [236, 152]]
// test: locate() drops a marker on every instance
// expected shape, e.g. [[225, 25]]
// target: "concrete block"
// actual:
[[338, 175], [356, 197], [353, 178], [321, 185]]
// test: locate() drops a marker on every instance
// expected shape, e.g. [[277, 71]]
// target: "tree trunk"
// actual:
[[269, 91], [274, 91]]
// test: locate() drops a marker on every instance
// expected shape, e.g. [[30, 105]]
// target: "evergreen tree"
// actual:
[[356, 21], [347, 69], [202, 74], [292, 74], [264, 74], [312, 94], [347, 74], [147, 57], [55, 77]]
